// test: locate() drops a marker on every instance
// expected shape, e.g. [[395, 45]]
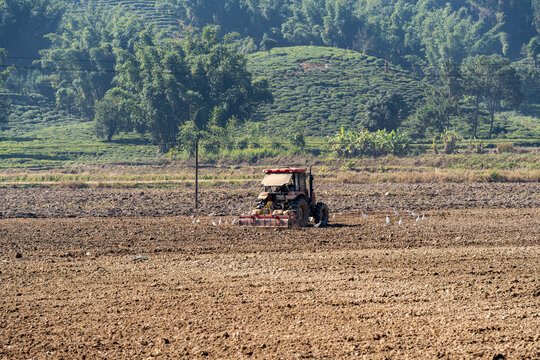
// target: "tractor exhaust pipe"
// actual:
[[310, 185]]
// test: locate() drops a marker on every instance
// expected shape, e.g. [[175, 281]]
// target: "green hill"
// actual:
[[316, 89], [39, 135], [321, 89], [147, 10]]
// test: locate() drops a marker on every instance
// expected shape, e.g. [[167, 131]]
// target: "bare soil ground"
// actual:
[[233, 200], [461, 283]]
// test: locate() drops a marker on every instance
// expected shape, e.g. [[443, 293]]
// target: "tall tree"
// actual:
[[221, 79], [200, 81], [4, 104], [534, 49], [474, 83], [453, 34], [434, 116], [450, 76], [397, 30], [503, 85], [117, 112], [23, 24], [536, 14], [339, 24], [530, 83], [491, 78], [386, 111], [86, 47], [156, 76]]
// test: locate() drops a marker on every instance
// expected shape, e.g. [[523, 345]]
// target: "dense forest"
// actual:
[[203, 69], [406, 32]]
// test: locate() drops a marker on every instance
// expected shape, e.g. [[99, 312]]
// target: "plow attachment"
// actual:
[[284, 221]]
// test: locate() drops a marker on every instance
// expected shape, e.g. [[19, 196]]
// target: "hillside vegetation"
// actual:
[[41, 136], [144, 9], [105, 80], [321, 89]]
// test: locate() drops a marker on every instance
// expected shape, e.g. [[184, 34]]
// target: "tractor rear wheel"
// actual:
[[301, 211], [321, 214]]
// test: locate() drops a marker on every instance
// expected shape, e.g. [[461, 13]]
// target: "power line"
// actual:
[[67, 70], [112, 71], [428, 67], [60, 69], [60, 59], [429, 72]]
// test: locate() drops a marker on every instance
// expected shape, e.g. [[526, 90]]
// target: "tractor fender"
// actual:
[[263, 196], [297, 197], [294, 195]]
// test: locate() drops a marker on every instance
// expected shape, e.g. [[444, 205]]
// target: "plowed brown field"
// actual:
[[464, 282]]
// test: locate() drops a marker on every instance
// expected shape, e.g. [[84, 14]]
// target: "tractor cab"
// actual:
[[284, 180], [283, 185], [288, 198]]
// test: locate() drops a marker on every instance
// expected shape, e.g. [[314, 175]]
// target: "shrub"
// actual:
[[297, 140], [242, 144], [505, 148], [349, 165], [276, 145], [434, 145], [495, 176], [475, 146], [379, 143], [449, 138]]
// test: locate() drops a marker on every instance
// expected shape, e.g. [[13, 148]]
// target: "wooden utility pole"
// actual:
[[197, 174]]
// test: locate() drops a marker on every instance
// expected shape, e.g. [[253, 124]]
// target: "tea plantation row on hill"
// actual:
[[321, 89], [147, 10]]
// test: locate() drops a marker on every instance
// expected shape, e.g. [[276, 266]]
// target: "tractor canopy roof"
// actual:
[[288, 170], [280, 176], [277, 179]]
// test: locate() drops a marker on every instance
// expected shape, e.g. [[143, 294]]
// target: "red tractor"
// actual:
[[286, 201]]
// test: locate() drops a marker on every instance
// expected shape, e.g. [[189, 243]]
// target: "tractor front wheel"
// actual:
[[301, 211], [260, 204], [321, 214]]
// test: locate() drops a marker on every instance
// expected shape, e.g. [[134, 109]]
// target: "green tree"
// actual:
[[339, 23], [23, 24], [530, 83], [454, 34], [297, 140], [534, 49], [86, 47], [267, 43], [503, 86], [4, 104], [492, 79], [474, 84], [434, 116], [194, 85], [450, 76], [188, 135], [386, 111], [396, 30], [115, 113], [163, 90], [220, 80], [536, 14]]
